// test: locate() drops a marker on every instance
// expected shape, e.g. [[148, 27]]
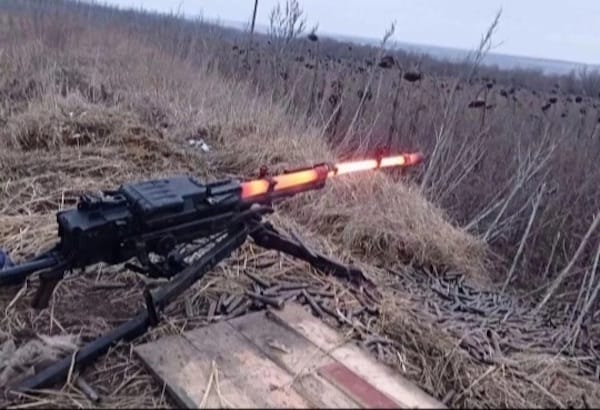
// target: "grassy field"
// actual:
[[507, 198]]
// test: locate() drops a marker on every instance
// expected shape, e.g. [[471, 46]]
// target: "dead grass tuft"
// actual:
[[17, 362], [52, 124], [386, 220]]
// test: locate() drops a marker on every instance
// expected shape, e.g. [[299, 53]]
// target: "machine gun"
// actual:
[[165, 224]]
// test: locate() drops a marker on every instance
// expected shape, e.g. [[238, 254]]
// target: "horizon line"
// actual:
[[242, 25]]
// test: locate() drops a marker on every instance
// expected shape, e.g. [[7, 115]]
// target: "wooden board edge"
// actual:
[[179, 396]]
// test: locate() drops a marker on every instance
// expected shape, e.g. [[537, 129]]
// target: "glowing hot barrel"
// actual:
[[313, 178]]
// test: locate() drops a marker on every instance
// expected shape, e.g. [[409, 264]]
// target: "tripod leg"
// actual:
[[43, 294], [48, 282], [266, 235]]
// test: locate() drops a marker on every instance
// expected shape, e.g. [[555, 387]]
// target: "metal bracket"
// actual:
[[150, 308], [263, 172]]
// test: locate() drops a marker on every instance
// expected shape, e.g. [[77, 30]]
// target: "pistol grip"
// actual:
[[44, 292]]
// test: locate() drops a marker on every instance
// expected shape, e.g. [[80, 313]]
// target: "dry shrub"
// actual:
[[18, 90], [54, 123], [390, 222], [72, 122]]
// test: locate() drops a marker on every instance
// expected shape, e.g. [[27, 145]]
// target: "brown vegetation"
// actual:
[[91, 97]]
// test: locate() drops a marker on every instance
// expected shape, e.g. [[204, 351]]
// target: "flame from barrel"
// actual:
[[287, 181], [281, 182]]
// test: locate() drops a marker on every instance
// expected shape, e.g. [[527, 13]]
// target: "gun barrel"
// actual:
[[403, 160], [17, 274], [313, 178]]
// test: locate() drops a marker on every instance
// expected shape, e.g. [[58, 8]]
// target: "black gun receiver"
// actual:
[[151, 216]]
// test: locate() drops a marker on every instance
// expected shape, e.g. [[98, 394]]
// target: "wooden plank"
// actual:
[[287, 358], [247, 378], [295, 354], [263, 381], [185, 379], [287, 348], [387, 380], [295, 317]]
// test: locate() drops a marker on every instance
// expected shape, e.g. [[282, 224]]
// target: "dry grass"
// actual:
[[63, 135]]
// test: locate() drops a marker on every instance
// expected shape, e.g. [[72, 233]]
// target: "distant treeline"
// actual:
[[584, 81]]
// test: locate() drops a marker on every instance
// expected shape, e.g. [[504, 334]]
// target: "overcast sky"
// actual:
[[555, 29]]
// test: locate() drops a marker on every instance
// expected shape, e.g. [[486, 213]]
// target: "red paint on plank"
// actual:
[[357, 387]]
